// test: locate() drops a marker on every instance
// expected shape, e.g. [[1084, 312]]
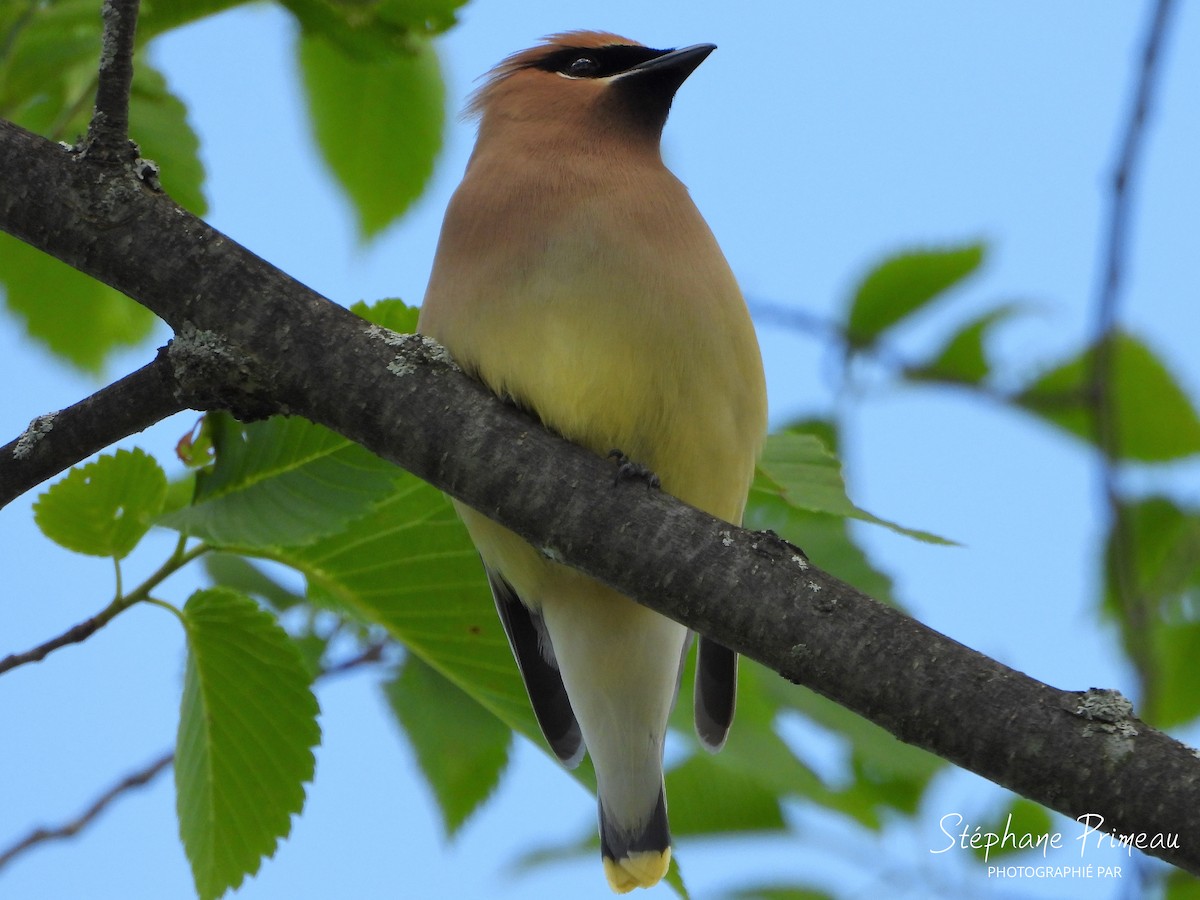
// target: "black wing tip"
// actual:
[[567, 747], [543, 683], [716, 693]]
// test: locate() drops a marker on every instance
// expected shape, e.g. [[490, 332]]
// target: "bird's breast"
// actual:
[[613, 316]]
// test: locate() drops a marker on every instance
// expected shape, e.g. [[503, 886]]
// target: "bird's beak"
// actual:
[[681, 62]]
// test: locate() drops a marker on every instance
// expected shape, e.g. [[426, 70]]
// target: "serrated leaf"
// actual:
[[754, 749], [409, 566], [158, 122], [824, 538], [76, 317], [280, 482], [378, 123], [237, 572], [428, 16], [1158, 543], [707, 797], [393, 314], [963, 357], [887, 774], [50, 64], [376, 30], [797, 468], [47, 80], [1155, 420], [905, 284], [462, 749], [1177, 649], [158, 17], [247, 729], [105, 507]]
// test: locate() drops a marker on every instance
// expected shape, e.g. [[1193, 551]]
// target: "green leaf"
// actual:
[[392, 314], [963, 358], [797, 469], [49, 70], [378, 123], [104, 507], [158, 122], [47, 81], [1158, 543], [780, 892], [462, 749], [158, 17], [247, 728], [707, 797], [904, 284], [376, 30], [428, 16], [1181, 885], [237, 572], [280, 482], [49, 76], [887, 775], [754, 749], [409, 566], [1155, 420], [76, 317], [1176, 701]]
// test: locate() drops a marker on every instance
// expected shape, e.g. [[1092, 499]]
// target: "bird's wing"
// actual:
[[535, 658], [716, 692]]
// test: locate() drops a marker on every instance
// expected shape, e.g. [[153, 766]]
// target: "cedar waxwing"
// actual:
[[575, 276]]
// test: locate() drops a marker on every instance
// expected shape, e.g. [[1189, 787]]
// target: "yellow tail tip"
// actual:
[[644, 869]]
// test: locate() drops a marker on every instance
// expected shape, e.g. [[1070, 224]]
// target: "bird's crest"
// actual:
[[525, 59]]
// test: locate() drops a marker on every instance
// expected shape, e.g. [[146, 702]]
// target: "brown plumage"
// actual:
[[575, 275]]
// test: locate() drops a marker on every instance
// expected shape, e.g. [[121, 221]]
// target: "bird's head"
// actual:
[[586, 81]]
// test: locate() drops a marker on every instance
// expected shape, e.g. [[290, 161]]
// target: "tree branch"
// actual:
[[56, 441], [279, 345], [108, 132]]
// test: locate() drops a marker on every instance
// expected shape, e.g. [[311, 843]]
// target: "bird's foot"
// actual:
[[628, 469]]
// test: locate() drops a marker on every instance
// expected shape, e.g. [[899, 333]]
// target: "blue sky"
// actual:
[[818, 139]]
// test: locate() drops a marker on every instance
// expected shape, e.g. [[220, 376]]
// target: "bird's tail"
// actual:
[[637, 857]]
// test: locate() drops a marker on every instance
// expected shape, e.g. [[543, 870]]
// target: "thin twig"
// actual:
[[74, 635], [87, 628], [108, 133], [370, 654], [74, 826], [887, 356], [1103, 377], [797, 319]]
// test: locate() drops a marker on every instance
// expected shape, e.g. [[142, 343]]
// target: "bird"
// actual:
[[575, 277]]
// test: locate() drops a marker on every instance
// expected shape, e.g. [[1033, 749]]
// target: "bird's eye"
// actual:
[[582, 67]]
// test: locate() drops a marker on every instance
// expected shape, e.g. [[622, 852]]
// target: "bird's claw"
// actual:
[[628, 469]]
